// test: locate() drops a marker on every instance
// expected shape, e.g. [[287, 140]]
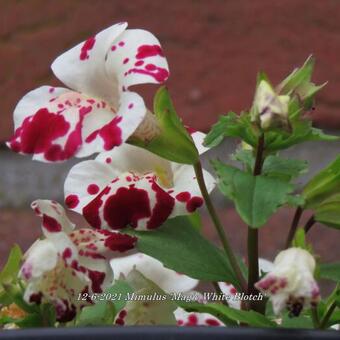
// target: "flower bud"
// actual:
[[291, 283], [270, 109]]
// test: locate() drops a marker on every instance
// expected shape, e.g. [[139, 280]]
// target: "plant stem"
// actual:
[[252, 240], [218, 226], [315, 317], [327, 316], [295, 223], [309, 224]]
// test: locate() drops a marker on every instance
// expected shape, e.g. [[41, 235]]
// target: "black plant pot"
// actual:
[[167, 333]]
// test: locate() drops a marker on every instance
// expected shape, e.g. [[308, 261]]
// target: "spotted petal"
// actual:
[[130, 199], [137, 58], [55, 124], [185, 318], [82, 68]]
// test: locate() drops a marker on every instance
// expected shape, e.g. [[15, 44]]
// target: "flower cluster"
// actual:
[[124, 186]]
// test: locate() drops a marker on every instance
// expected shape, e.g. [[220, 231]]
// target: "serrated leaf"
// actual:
[[226, 314], [180, 247], [256, 198], [283, 168], [301, 131], [245, 157], [232, 125], [174, 142]]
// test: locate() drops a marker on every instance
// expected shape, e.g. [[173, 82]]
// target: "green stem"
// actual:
[[295, 223], [325, 319], [218, 226], [252, 240], [309, 224], [315, 317]]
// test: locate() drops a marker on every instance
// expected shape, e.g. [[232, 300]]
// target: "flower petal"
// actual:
[[132, 158], [56, 126], [132, 200], [185, 318], [166, 279], [186, 190], [40, 258], [84, 181], [137, 58], [82, 68], [53, 215], [198, 138], [103, 130]]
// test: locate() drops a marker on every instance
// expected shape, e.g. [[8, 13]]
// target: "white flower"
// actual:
[[132, 186], [98, 112], [68, 262], [169, 281], [291, 283]]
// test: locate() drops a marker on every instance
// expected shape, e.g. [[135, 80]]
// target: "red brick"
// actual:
[[215, 48]]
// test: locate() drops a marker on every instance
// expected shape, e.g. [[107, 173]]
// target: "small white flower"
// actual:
[[291, 282]]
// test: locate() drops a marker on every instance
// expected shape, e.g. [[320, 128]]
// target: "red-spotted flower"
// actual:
[[68, 262], [291, 282], [130, 186], [97, 113]]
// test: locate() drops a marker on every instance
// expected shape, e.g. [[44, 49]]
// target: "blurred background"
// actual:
[[214, 48]]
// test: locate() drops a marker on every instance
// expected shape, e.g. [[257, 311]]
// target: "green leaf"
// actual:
[[303, 321], [98, 315], [225, 314], [324, 185], [232, 125], [180, 247], [104, 310], [150, 305], [245, 157], [256, 198], [328, 212], [30, 321], [174, 142], [330, 271], [16, 295], [48, 314], [301, 131], [285, 169], [11, 269], [196, 221]]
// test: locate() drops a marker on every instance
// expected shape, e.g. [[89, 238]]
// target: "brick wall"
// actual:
[[214, 47]]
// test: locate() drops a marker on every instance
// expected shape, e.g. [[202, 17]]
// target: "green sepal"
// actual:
[[174, 142], [299, 83]]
